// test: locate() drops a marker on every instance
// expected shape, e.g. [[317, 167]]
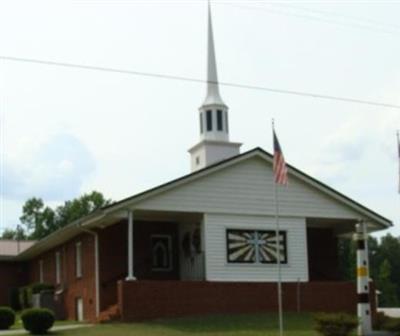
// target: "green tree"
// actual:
[[347, 259], [384, 262], [40, 220], [17, 234], [388, 297], [79, 207], [390, 251]]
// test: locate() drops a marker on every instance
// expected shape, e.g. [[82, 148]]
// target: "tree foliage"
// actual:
[[384, 258], [39, 220]]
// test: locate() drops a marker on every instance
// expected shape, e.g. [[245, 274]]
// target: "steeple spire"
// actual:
[[213, 96], [214, 142]]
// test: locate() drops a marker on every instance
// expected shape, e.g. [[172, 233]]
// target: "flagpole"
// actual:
[[398, 149], [278, 254]]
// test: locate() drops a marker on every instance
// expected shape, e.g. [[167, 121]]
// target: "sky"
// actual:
[[67, 131]]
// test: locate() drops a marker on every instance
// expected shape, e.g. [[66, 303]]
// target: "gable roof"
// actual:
[[251, 153], [76, 227]]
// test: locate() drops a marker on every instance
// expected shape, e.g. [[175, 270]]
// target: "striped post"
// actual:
[[363, 305]]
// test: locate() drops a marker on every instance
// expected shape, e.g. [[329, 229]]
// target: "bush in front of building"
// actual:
[[23, 297], [392, 325], [37, 320], [335, 324], [7, 318], [36, 288], [380, 321], [26, 292]]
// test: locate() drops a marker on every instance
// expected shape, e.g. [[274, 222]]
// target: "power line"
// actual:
[[341, 15], [196, 80], [313, 17]]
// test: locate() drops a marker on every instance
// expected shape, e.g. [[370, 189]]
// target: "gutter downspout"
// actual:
[[96, 265]]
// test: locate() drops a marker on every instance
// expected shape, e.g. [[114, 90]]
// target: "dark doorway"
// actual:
[[322, 254], [156, 254]]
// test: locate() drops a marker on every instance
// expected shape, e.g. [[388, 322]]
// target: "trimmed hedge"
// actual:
[[37, 320], [7, 318], [25, 293], [36, 288], [335, 324]]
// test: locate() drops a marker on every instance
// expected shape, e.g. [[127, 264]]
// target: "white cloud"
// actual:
[[55, 170]]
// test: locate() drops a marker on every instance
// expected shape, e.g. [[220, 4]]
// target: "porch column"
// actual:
[[130, 276]]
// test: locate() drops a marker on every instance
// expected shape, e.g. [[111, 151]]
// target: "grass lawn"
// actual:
[[249, 325]]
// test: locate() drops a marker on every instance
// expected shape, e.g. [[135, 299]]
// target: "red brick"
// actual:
[[140, 300]]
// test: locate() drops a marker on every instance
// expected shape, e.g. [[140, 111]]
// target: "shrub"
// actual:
[[335, 324], [7, 318], [393, 325], [380, 321], [36, 288], [25, 293], [23, 297], [37, 320]]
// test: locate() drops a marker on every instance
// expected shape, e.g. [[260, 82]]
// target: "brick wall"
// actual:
[[113, 242], [139, 300], [72, 286], [12, 275]]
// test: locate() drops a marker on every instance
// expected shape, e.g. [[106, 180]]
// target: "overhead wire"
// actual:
[[196, 80], [357, 25]]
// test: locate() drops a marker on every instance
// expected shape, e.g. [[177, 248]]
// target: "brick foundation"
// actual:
[[140, 300]]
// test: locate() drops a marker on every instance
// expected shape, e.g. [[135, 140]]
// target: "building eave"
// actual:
[[95, 218]]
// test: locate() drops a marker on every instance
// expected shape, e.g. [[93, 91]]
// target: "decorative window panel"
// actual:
[[161, 246], [255, 246]]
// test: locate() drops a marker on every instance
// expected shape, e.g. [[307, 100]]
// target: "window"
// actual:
[[197, 160], [161, 247], [219, 120], [41, 275], [78, 260], [209, 120], [58, 267], [226, 121], [255, 246], [201, 123]]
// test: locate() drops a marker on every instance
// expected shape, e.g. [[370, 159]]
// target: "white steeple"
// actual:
[[214, 142], [213, 96]]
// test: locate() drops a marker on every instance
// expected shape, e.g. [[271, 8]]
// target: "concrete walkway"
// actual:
[[56, 328]]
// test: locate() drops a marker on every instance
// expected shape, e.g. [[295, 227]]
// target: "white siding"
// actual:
[[247, 188], [218, 269]]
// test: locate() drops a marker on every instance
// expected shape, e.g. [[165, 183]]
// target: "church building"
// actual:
[[204, 243]]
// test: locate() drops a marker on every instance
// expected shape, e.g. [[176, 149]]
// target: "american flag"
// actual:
[[280, 169]]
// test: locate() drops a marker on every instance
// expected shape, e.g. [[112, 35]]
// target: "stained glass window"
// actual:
[[255, 246]]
